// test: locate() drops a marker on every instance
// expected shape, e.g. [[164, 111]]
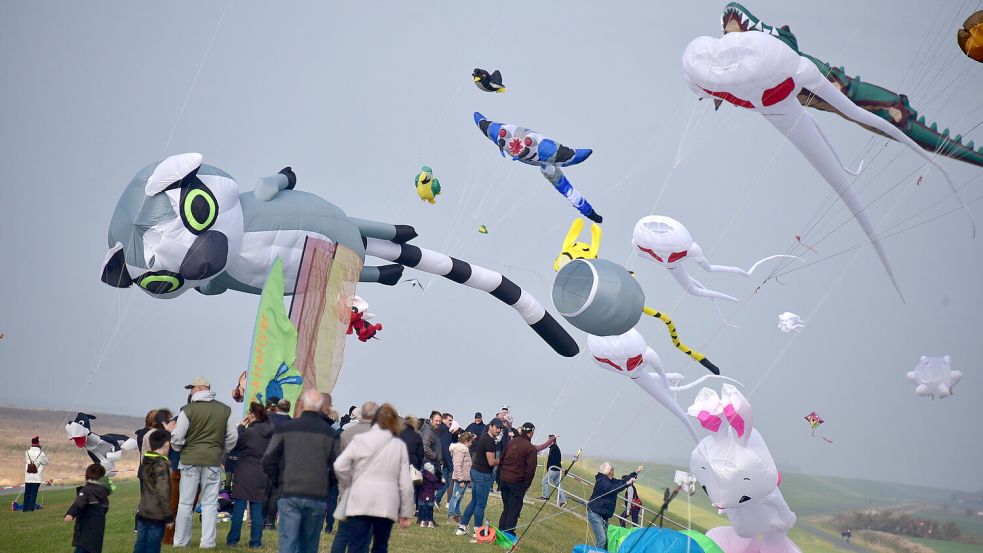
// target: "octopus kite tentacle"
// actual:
[[674, 336]]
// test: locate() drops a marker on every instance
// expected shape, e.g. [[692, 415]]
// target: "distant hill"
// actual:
[[18, 426]]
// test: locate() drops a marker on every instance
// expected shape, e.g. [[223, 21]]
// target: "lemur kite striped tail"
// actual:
[[479, 278]]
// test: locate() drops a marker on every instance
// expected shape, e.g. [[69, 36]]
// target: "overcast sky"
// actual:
[[356, 96]]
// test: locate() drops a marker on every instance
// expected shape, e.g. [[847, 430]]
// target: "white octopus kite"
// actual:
[[934, 376], [665, 240], [790, 322], [760, 72]]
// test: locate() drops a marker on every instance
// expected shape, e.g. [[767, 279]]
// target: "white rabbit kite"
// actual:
[[737, 472]]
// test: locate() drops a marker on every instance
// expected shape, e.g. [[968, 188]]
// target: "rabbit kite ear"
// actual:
[[737, 410], [707, 409]]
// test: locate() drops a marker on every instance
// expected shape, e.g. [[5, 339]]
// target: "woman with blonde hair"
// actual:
[[374, 476]]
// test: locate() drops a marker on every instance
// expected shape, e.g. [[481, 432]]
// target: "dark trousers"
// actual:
[[272, 506], [30, 496], [341, 538], [332, 505], [424, 511], [369, 529], [512, 494], [149, 536]]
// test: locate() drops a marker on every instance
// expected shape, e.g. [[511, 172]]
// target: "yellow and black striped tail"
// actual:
[[697, 356]]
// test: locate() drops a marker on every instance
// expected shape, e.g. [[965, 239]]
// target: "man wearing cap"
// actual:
[[516, 470], [204, 432], [481, 477], [478, 428]]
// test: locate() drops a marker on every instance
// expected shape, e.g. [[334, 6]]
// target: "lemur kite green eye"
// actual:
[[199, 209], [160, 282]]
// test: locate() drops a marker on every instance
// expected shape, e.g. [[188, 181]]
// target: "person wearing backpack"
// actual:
[[34, 462]]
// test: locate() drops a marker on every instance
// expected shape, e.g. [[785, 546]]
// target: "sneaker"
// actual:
[[562, 505], [541, 498], [423, 524], [431, 524], [447, 506], [461, 530]]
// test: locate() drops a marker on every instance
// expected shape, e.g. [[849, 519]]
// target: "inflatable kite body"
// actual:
[[106, 449], [890, 106], [790, 322], [489, 82], [736, 470], [532, 148], [934, 377], [629, 354], [760, 72], [573, 249], [181, 224], [427, 187], [665, 240], [657, 540], [970, 37]]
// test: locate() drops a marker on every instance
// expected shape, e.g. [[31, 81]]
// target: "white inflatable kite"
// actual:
[[790, 322], [934, 377], [758, 71], [738, 474]]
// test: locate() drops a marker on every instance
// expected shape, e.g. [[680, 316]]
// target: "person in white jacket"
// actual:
[[37, 459], [374, 473]]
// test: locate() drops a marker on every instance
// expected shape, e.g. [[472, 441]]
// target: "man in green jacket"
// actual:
[[204, 432]]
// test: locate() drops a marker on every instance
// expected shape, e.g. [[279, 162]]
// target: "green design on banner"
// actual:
[[274, 346]]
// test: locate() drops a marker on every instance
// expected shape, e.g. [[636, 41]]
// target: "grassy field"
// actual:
[[948, 546], [45, 531]]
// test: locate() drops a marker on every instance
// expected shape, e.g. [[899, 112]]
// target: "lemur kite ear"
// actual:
[[595, 238], [575, 227], [707, 409], [172, 170], [114, 271]]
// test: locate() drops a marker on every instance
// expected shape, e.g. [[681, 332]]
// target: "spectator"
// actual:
[[353, 419], [89, 511], [604, 499], [444, 432], [481, 478], [139, 436], [204, 431], [164, 420], [249, 480], [414, 443], [278, 413], [154, 510], [554, 473], [427, 496], [34, 462], [431, 439], [299, 461], [360, 425], [460, 474], [633, 506], [375, 471], [345, 419], [330, 416], [477, 428], [517, 470]]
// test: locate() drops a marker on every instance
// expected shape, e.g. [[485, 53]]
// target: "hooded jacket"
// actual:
[[155, 494], [204, 431], [89, 509], [461, 462], [248, 478], [604, 499], [375, 470]]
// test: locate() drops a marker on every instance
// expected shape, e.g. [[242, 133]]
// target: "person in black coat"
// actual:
[[89, 512], [414, 443], [249, 487]]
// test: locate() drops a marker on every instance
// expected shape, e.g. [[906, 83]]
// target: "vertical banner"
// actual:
[[321, 310], [271, 359]]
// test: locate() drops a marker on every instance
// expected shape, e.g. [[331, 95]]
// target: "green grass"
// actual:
[[970, 525], [948, 546], [46, 531]]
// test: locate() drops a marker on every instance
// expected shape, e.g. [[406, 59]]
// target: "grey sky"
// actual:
[[357, 96]]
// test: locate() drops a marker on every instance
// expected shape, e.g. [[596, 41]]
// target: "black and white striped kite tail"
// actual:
[[480, 278]]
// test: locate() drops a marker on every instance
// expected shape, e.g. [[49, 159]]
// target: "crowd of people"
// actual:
[[354, 476]]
